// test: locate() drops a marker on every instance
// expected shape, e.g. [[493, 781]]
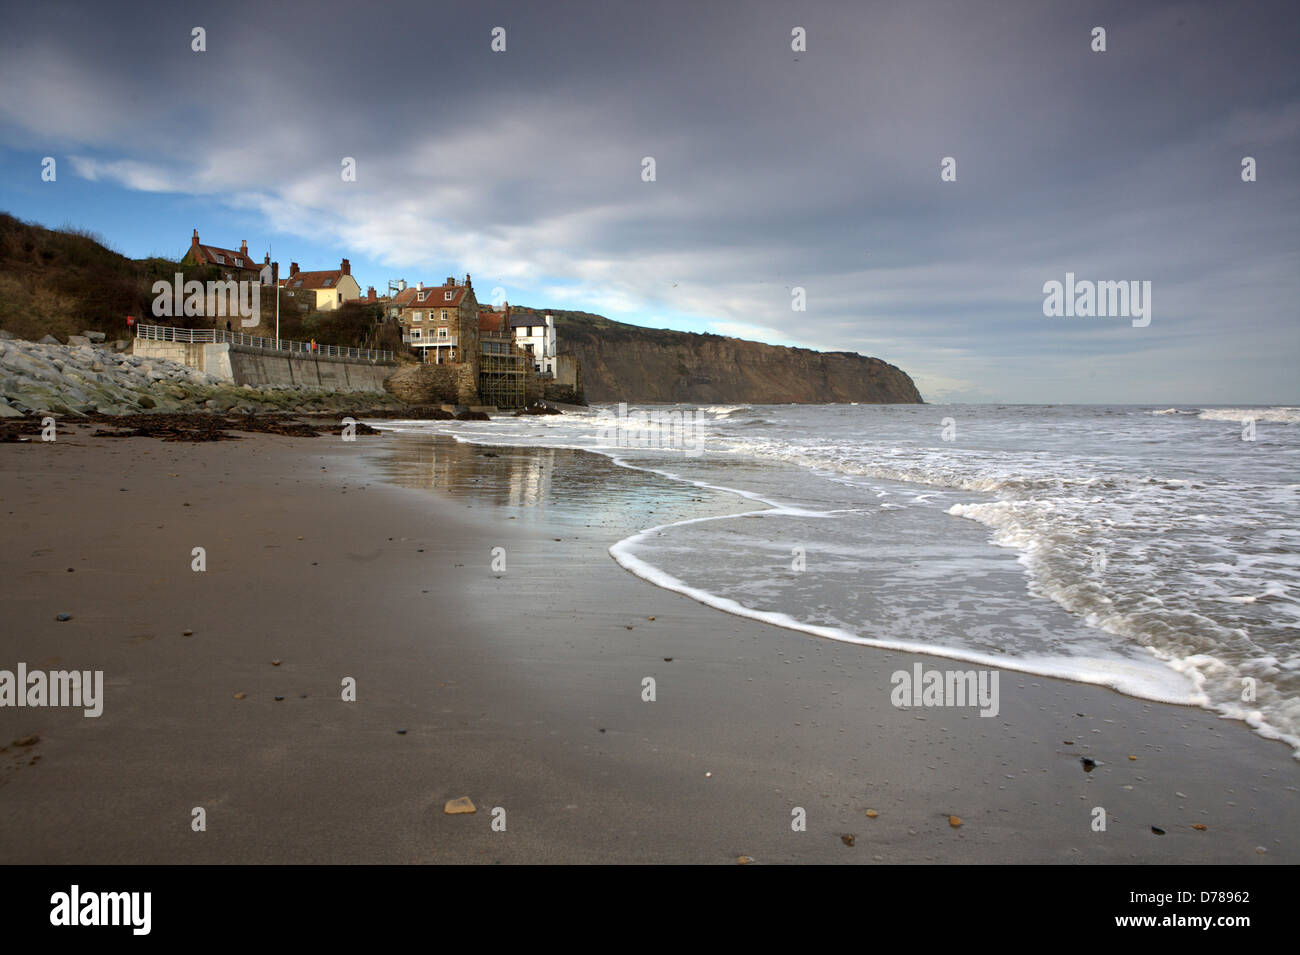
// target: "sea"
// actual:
[[1153, 550]]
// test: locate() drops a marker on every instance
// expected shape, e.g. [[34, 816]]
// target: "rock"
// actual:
[[459, 806], [8, 411], [26, 741], [954, 821], [1199, 826], [63, 617], [6, 336], [94, 336], [1157, 830], [144, 401], [48, 340], [872, 814], [240, 696], [275, 663], [743, 860], [187, 633], [1089, 764], [848, 840]]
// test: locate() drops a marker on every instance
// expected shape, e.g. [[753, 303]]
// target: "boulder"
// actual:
[[94, 336], [8, 411], [48, 340], [6, 336]]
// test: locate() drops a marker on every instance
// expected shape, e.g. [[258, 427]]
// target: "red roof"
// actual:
[[491, 322], [231, 258], [434, 297]]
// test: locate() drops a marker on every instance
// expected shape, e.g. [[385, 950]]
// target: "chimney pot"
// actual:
[[419, 287], [243, 247], [196, 236], [345, 267], [293, 269]]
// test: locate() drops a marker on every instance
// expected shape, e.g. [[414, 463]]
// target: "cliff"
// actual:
[[629, 363]]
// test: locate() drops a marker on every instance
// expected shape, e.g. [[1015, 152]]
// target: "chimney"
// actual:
[[293, 269], [345, 267], [194, 243], [467, 280], [370, 294], [419, 287], [243, 247], [451, 281]]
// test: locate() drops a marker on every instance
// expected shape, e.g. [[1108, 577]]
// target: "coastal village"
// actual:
[[462, 351]]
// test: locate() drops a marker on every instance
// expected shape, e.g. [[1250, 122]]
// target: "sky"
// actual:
[[775, 169]]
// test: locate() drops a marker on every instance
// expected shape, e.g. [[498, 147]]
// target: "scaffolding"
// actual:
[[501, 374]]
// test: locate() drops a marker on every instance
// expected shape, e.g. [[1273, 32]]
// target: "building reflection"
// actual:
[[518, 477]]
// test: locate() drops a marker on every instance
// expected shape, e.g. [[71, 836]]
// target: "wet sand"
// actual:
[[522, 689]]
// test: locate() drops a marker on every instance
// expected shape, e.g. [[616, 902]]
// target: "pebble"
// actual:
[[1157, 830], [63, 617], [743, 860], [954, 821], [187, 633], [459, 806], [1089, 764], [872, 814], [401, 732], [278, 699], [240, 696], [848, 840], [275, 663]]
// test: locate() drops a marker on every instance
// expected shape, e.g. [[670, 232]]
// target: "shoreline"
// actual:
[[521, 690]]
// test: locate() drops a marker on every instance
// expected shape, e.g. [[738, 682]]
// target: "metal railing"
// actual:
[[166, 333], [431, 340]]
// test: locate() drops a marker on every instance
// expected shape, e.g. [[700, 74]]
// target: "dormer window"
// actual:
[[447, 295], [327, 283], [421, 296], [221, 259]]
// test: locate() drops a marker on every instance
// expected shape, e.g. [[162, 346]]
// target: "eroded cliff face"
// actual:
[[628, 363]]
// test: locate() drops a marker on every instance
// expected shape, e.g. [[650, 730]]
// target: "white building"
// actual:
[[536, 334]]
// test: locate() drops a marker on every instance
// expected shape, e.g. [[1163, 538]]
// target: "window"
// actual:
[[327, 282], [415, 316], [442, 333], [420, 296], [221, 258], [447, 296], [415, 333], [537, 331]]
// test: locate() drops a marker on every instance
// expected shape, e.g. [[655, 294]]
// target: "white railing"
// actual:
[[429, 342], [166, 333]]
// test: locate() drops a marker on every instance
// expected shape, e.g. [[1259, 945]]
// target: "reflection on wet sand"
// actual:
[[575, 486]]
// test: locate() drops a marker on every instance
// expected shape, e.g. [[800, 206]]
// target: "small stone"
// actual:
[[63, 617], [708, 775], [954, 821], [459, 806], [1199, 826], [187, 633], [278, 699], [1068, 742], [1157, 830], [1132, 757], [743, 860], [401, 732], [649, 618], [666, 659], [240, 696], [1089, 764], [275, 663], [27, 740], [872, 814], [629, 626], [848, 840]]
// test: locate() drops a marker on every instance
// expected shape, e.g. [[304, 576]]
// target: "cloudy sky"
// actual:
[[774, 168]]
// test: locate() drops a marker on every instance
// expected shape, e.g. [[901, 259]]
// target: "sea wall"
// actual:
[[241, 365]]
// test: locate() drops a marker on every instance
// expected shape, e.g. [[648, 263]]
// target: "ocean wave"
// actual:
[[1276, 415]]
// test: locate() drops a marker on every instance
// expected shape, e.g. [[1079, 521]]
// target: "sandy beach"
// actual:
[[521, 689]]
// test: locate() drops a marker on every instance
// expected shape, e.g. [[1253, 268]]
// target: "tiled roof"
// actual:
[[314, 280], [434, 297], [232, 258]]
